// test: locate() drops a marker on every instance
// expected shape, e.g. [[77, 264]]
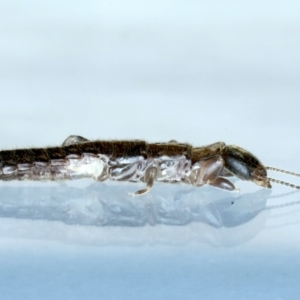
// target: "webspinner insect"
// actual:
[[138, 161]]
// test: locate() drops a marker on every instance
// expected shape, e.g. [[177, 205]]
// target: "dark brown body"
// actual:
[[112, 148]]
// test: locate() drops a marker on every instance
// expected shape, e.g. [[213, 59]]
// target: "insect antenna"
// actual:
[[283, 171], [283, 182]]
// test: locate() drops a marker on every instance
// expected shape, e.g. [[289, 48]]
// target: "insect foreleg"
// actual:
[[209, 173]]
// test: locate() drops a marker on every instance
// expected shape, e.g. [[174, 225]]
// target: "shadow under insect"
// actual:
[[110, 205]]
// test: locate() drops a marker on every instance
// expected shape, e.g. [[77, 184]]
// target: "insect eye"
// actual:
[[259, 176]]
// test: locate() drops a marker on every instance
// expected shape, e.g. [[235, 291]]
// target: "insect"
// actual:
[[135, 161]]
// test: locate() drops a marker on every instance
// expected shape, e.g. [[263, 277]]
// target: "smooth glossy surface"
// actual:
[[191, 71]]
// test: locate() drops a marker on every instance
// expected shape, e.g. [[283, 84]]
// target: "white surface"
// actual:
[[194, 71]]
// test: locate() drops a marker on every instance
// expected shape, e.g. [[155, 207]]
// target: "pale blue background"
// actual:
[[194, 71]]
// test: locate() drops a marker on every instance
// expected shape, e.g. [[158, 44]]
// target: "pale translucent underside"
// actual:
[[102, 167]]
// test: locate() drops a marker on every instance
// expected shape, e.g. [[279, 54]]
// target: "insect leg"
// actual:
[[150, 177], [209, 173], [74, 139], [223, 183]]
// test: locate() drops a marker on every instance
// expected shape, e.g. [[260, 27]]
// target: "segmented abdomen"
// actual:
[[101, 160], [89, 165]]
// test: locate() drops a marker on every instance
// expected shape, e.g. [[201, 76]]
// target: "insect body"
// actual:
[[136, 161]]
